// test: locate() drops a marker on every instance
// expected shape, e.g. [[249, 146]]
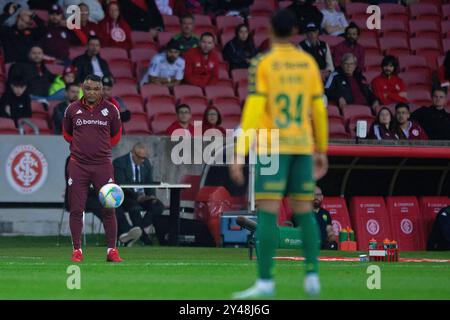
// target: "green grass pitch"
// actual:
[[35, 268]]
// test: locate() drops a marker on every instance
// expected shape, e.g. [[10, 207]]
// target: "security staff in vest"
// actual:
[[318, 49]]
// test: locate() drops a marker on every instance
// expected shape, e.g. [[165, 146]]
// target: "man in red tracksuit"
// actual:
[[92, 126], [202, 63]]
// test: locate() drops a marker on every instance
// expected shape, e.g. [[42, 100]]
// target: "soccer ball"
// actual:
[[111, 195]]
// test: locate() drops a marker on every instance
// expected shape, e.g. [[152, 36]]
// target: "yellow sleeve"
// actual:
[[254, 107], [319, 113]]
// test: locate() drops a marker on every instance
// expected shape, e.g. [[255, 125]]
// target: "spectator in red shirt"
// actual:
[[350, 45], [88, 28], [406, 129], [182, 126], [212, 119], [383, 127], [388, 87], [202, 63], [114, 31]]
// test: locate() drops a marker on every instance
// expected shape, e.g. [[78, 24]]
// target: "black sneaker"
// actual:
[[146, 239]]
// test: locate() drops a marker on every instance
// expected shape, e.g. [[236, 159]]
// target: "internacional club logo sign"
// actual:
[[26, 169]]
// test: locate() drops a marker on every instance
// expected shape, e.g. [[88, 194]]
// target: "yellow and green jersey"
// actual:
[[285, 92]]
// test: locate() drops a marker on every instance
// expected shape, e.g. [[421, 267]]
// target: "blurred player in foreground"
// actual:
[[285, 94], [92, 126]]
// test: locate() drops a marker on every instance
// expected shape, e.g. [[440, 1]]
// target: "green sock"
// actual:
[[267, 241], [310, 238]]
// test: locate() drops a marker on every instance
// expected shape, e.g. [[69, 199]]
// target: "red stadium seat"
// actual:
[[356, 110], [260, 38], [445, 28], [411, 63], [164, 38], [226, 37], [416, 78], [110, 53], [202, 29], [225, 83], [148, 90], [261, 8], [186, 90], [202, 20], [420, 97], [223, 74], [171, 21], [239, 74], [424, 29], [355, 9], [446, 11], [195, 103], [42, 125], [429, 207], [373, 62], [227, 106], [337, 208], [139, 54], [136, 126], [231, 121], [121, 68], [43, 14], [213, 91], [336, 129], [7, 126], [297, 38], [369, 44], [446, 44], [284, 4], [370, 75], [124, 89], [141, 37], [333, 110], [370, 220], [255, 23], [134, 103], [77, 51], [391, 108], [228, 22], [406, 222], [394, 45], [425, 11], [54, 68], [242, 94], [161, 122], [38, 111], [331, 40], [393, 9], [160, 105], [394, 28]]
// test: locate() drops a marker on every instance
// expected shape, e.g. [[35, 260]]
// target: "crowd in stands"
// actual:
[[166, 63]]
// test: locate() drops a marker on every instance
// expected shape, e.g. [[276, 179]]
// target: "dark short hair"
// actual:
[[93, 77], [283, 23], [442, 89], [18, 81], [181, 106], [70, 85], [93, 37], [353, 25], [207, 34], [389, 59], [401, 105], [187, 15]]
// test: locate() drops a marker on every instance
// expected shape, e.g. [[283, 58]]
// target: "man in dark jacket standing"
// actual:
[[18, 39], [346, 85], [71, 95], [142, 15], [35, 73], [56, 41], [135, 168], [90, 62]]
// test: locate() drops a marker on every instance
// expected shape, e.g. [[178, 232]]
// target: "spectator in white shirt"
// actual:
[[164, 7], [334, 22], [166, 68]]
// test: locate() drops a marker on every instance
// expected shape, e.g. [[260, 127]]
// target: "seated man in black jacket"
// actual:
[[434, 119], [90, 62], [135, 168], [346, 85], [71, 95], [35, 73]]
